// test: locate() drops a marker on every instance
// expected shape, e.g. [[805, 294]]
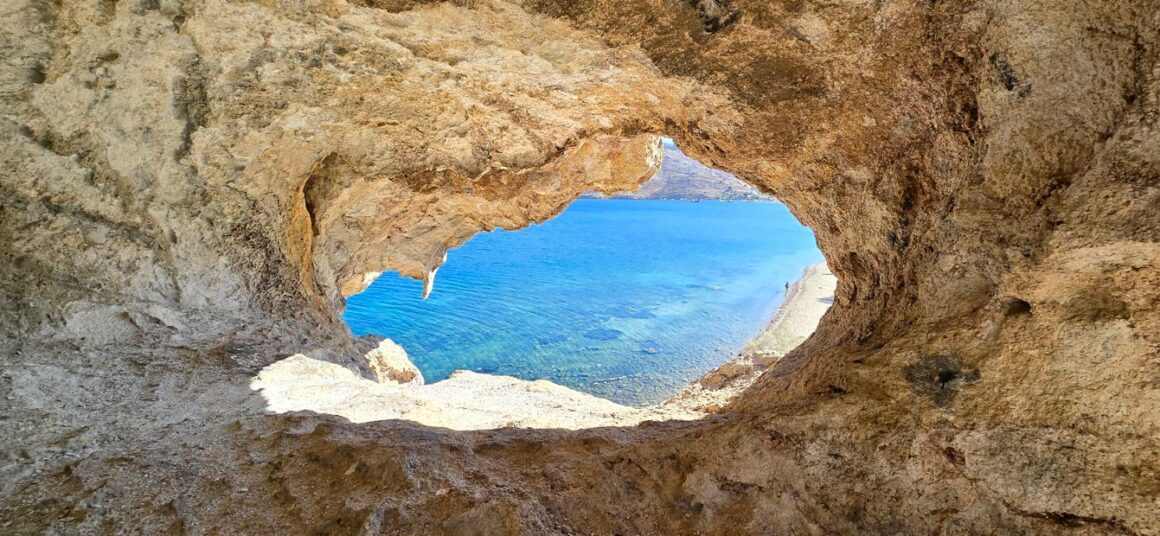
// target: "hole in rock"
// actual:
[[658, 304], [1016, 307]]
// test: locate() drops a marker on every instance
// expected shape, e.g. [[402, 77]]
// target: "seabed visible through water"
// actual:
[[625, 299]]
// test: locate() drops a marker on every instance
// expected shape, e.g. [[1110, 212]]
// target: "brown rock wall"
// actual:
[[190, 188]]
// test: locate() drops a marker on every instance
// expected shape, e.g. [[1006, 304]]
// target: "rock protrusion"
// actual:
[[390, 364]]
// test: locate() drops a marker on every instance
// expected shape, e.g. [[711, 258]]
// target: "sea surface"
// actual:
[[628, 300]]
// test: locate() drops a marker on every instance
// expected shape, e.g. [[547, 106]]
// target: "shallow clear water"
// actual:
[[627, 300]]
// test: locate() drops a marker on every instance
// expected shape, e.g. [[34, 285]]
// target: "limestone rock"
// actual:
[[681, 177], [188, 190], [724, 374], [390, 363]]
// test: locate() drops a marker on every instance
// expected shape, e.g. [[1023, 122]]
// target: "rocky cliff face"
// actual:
[[190, 188]]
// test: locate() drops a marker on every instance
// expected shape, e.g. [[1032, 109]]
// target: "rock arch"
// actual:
[[189, 189]]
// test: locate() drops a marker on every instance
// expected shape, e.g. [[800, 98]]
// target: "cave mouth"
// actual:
[[660, 303]]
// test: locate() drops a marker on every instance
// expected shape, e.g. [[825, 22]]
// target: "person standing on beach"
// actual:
[[787, 286]]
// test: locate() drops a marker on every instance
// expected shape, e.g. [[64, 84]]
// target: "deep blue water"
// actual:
[[627, 300]]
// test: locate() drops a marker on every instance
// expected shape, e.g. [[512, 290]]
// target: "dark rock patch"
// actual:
[[1016, 307], [939, 377]]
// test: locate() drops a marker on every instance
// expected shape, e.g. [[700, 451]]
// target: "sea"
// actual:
[[628, 300]]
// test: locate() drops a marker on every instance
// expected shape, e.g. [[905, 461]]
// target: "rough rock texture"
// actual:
[[390, 364], [188, 189], [681, 177]]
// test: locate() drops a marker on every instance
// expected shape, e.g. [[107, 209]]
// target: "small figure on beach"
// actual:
[[787, 285]]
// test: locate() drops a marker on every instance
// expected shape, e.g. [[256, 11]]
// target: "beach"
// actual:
[[806, 301], [474, 401]]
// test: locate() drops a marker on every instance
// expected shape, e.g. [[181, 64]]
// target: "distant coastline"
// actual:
[[681, 178]]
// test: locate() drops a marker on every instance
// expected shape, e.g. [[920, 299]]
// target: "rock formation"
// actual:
[[681, 177], [189, 188], [390, 364]]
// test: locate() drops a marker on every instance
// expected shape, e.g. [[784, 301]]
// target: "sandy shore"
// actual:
[[472, 401], [806, 300]]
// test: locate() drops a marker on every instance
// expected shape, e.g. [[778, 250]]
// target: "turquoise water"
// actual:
[[627, 300]]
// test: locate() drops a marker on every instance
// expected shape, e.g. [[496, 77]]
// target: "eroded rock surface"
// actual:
[[681, 177], [390, 364], [189, 189]]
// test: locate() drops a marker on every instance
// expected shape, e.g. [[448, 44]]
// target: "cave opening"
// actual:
[[660, 303], [190, 190]]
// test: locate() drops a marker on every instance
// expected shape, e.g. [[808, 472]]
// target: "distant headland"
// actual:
[[681, 177]]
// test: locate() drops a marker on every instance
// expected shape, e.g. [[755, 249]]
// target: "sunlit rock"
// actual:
[[390, 363]]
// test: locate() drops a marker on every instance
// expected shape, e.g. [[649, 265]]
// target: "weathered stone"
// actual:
[[187, 191], [722, 375], [390, 363]]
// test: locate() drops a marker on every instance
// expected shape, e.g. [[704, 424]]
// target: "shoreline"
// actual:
[[475, 401], [808, 298], [805, 302]]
